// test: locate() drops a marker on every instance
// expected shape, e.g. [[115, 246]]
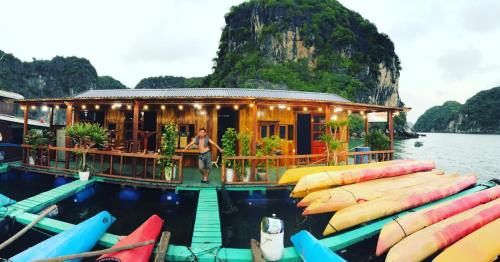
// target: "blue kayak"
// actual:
[[5, 201], [80, 238], [311, 250]]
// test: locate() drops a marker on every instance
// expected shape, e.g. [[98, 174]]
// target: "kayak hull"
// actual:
[[392, 204], [346, 196], [149, 230], [311, 250], [69, 241], [395, 231], [481, 245], [420, 245], [324, 180]]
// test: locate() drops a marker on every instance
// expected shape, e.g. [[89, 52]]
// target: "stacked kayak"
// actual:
[[481, 245], [311, 250], [310, 183], [421, 244], [78, 239], [292, 176], [394, 203], [5, 201], [149, 230], [345, 196], [395, 231]]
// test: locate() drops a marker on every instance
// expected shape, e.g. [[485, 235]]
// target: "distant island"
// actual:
[[479, 114]]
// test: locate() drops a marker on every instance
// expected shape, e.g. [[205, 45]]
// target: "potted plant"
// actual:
[[377, 140], [36, 139], [86, 136], [229, 146], [269, 146], [332, 143], [167, 151], [245, 139]]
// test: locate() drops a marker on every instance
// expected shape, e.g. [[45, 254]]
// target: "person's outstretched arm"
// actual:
[[217, 146]]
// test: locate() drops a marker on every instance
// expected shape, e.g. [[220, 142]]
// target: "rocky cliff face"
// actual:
[[314, 45]]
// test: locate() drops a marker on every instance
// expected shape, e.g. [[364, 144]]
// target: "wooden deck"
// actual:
[[207, 235]]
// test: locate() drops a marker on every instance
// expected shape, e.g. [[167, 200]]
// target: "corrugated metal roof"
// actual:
[[11, 95], [209, 93]]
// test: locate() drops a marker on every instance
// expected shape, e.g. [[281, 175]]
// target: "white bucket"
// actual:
[[272, 239], [229, 175]]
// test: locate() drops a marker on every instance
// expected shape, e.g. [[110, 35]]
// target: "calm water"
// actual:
[[464, 153]]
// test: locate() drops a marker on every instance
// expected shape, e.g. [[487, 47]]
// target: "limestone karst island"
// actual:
[[249, 130]]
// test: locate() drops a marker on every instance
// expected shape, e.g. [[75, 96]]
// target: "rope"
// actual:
[[355, 198], [402, 228]]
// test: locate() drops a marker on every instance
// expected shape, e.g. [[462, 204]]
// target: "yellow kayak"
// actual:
[[421, 244], [346, 196], [372, 184], [389, 205], [395, 231], [319, 181], [481, 245], [292, 176]]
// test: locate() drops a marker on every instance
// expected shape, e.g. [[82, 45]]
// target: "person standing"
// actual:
[[205, 156]]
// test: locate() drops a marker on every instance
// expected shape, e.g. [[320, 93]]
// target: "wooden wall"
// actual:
[[117, 117]]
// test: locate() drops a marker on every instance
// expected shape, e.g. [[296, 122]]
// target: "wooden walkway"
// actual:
[[207, 235], [37, 203]]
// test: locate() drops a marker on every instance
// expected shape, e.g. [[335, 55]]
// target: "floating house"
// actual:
[[136, 117]]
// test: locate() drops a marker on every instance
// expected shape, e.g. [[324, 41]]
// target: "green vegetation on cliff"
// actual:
[[58, 77], [438, 118], [159, 82], [312, 45], [479, 114]]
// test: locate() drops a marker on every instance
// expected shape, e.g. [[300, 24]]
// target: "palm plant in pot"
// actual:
[[37, 139], [85, 136], [332, 143], [167, 151], [229, 146], [245, 139]]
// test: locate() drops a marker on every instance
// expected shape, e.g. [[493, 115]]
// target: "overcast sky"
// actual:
[[448, 48]]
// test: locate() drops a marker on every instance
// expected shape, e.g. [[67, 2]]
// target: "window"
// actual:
[[186, 134], [268, 129], [286, 132]]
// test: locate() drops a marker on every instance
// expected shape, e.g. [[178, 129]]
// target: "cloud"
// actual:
[[457, 64], [481, 16]]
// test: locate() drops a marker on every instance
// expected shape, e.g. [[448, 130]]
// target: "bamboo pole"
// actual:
[[28, 227], [97, 253]]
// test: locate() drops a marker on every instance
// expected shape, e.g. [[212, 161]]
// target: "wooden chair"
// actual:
[[216, 162]]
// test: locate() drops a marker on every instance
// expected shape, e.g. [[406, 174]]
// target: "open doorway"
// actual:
[[226, 118], [150, 125], [303, 134]]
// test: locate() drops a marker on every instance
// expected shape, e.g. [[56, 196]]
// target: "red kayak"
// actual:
[[149, 230]]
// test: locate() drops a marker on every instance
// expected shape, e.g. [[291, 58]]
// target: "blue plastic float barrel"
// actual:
[[59, 181], [84, 194], [129, 194], [361, 159]]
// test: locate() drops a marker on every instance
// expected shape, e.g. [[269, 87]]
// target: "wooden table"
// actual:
[[189, 157]]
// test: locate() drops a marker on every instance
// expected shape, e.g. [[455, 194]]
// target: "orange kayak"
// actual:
[[395, 231], [325, 180], [149, 230], [420, 245], [481, 245], [350, 195], [385, 206]]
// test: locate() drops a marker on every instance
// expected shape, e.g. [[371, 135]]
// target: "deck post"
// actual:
[[390, 121], [255, 127], [69, 122], [366, 126], [25, 131], [135, 135]]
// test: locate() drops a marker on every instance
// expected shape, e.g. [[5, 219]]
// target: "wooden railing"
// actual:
[[107, 163], [268, 169]]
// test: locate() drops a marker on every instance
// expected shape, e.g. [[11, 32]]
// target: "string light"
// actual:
[[236, 107], [84, 107], [57, 107], [129, 107], [362, 112], [23, 107], [334, 117], [305, 108], [162, 107], [320, 109], [281, 106], [33, 107], [45, 108], [97, 107], [271, 108], [349, 112], [181, 107], [217, 107], [197, 106], [145, 107], [288, 108], [251, 105]]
